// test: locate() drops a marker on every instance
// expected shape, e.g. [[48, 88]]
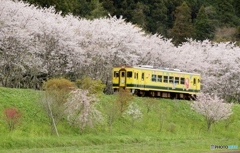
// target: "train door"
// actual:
[[195, 84], [122, 78], [142, 80]]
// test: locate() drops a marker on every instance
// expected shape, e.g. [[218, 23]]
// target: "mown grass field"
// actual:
[[170, 126]]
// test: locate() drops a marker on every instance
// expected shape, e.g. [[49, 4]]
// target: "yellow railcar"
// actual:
[[161, 82]]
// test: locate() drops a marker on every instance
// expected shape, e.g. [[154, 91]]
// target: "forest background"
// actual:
[[217, 20]]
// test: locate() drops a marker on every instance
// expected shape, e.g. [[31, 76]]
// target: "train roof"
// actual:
[[150, 67]]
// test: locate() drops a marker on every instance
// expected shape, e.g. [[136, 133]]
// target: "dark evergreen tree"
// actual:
[[202, 27], [157, 19], [236, 5], [97, 10], [82, 8], [108, 6], [171, 6], [183, 27], [138, 15], [225, 11]]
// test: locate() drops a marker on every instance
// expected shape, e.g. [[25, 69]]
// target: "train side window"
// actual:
[[177, 80], [123, 74], [142, 76], [159, 78], [153, 78], [198, 80], [129, 74], [194, 81], [182, 81], [137, 75], [165, 79], [116, 74], [170, 79]]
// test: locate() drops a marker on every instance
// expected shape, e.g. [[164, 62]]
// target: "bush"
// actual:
[[123, 99], [59, 84], [12, 117], [93, 86], [80, 109], [212, 107], [57, 92]]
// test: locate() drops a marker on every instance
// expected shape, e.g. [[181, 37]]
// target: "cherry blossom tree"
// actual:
[[212, 107], [80, 109], [36, 44], [133, 112]]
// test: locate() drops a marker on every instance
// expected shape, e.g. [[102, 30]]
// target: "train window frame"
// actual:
[[116, 74], [135, 75], [142, 75], [159, 78], [129, 74], [176, 80], [154, 77], [171, 79], [165, 79], [182, 81]]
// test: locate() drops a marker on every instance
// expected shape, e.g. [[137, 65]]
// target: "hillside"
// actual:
[[169, 126]]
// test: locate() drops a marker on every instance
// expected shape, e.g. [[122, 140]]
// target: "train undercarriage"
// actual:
[[160, 94]]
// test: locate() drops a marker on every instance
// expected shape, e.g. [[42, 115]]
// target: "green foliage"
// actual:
[[33, 119], [97, 10], [139, 16], [202, 27], [58, 84], [171, 127], [225, 12], [123, 99], [108, 5], [150, 104], [183, 27], [157, 19], [57, 92], [93, 86], [238, 32]]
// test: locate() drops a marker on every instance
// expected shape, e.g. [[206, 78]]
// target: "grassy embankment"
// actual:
[[170, 126]]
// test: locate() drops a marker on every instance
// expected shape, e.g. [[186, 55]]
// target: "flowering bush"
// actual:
[[134, 112], [212, 107], [12, 117], [80, 109]]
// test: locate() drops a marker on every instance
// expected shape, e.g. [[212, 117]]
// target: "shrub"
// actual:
[[123, 99], [171, 127], [93, 86], [80, 109], [133, 112], [212, 107], [57, 91], [58, 84], [12, 117]]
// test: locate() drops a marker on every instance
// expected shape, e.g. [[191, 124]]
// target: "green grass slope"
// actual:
[[166, 126]]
